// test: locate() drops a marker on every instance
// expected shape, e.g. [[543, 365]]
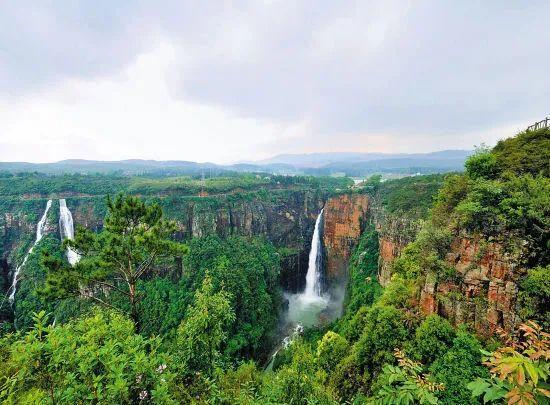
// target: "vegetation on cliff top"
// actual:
[[34, 185], [200, 324]]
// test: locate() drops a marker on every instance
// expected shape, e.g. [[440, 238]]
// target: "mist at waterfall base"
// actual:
[[313, 306]]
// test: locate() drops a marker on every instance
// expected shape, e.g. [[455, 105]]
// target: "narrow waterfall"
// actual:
[[66, 229], [313, 288], [39, 233], [305, 308]]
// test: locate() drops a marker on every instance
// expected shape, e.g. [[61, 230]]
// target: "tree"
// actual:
[[482, 163], [331, 350], [432, 339], [405, 384], [457, 367], [248, 269], [203, 330], [134, 239], [384, 331], [534, 296], [299, 382], [519, 370], [98, 359], [527, 152]]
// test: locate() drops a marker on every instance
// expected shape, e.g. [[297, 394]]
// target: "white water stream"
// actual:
[[304, 309], [39, 233], [66, 229], [312, 291]]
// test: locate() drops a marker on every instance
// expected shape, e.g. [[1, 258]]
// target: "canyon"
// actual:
[[484, 293]]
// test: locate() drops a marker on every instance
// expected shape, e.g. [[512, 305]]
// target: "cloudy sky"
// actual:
[[225, 81]]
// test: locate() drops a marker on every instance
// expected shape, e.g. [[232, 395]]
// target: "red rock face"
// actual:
[[395, 233], [389, 251], [485, 291], [343, 219]]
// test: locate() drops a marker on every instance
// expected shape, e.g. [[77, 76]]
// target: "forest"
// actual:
[[147, 317]]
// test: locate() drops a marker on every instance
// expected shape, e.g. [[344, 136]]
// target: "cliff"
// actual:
[[484, 291], [284, 217], [344, 220], [395, 233]]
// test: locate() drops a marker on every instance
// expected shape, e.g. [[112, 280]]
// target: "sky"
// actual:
[[227, 81]]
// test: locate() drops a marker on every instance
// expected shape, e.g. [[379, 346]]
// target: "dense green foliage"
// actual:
[[411, 195], [534, 296], [248, 269], [98, 359], [504, 190], [203, 331], [363, 267], [197, 328], [526, 153], [134, 239], [32, 184]]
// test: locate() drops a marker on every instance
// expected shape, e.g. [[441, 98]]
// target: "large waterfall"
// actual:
[[305, 308], [313, 288], [39, 233], [66, 229]]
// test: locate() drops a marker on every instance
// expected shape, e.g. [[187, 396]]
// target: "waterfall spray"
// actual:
[[39, 233], [304, 308]]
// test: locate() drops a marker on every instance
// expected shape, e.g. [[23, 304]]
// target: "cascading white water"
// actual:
[[66, 229], [312, 291], [39, 233], [304, 308]]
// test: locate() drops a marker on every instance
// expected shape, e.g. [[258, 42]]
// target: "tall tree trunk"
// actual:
[[133, 305]]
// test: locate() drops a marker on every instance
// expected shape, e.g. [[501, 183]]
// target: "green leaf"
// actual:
[[494, 393], [478, 387]]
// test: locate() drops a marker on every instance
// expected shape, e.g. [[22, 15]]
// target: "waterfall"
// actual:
[[313, 288], [66, 230], [305, 308], [39, 233]]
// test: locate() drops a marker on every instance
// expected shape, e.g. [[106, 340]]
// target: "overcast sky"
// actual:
[[226, 81]]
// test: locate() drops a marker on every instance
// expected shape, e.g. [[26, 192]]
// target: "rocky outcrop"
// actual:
[[395, 231], [394, 234], [484, 291], [344, 220]]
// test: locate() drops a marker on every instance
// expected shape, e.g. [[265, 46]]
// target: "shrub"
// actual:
[[482, 164], [331, 350], [457, 367], [432, 339]]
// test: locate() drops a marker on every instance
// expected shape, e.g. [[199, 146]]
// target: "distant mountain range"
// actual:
[[336, 163]]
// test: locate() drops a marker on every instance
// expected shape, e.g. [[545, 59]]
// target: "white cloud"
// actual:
[[130, 115], [245, 80]]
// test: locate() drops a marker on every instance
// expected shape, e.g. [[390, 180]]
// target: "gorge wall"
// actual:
[[345, 218], [286, 218], [483, 293]]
